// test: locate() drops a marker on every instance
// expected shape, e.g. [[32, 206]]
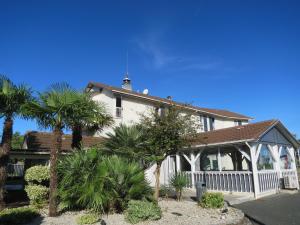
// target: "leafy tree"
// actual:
[[53, 109], [17, 140], [88, 114], [12, 99], [166, 134]]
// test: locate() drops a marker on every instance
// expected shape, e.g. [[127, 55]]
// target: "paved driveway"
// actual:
[[280, 209]]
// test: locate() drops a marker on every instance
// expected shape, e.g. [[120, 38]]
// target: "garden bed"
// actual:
[[181, 213]]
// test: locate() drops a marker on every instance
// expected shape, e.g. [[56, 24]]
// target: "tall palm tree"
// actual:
[[86, 114], [52, 110], [12, 99]]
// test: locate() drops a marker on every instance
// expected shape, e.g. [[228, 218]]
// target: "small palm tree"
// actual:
[[12, 99], [129, 142], [53, 110], [179, 182], [88, 114]]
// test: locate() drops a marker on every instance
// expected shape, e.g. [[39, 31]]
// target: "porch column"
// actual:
[[219, 159], [178, 162], [193, 166], [291, 151], [254, 153]]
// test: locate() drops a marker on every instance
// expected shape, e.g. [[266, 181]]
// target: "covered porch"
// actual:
[[262, 165]]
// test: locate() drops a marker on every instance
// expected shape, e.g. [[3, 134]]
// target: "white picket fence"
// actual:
[[269, 180], [231, 181], [238, 181], [15, 170]]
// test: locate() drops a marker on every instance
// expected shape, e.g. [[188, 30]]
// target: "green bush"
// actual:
[[89, 180], [212, 200], [90, 218], [37, 174], [165, 191], [139, 211], [16, 216], [179, 182], [37, 194]]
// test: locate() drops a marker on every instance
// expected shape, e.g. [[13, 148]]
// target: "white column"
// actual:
[[254, 156], [291, 152], [219, 159], [193, 166], [178, 162]]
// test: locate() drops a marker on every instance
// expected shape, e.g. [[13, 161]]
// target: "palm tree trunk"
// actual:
[[4, 156], [53, 174], [76, 137], [157, 182]]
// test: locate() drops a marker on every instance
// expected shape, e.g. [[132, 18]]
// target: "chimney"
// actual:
[[127, 83]]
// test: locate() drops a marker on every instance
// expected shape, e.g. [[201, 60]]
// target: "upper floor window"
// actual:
[[118, 106], [238, 123], [208, 123]]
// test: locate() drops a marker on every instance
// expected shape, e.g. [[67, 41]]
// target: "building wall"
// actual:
[[133, 108]]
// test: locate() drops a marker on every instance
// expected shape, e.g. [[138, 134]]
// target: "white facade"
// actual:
[[129, 110]]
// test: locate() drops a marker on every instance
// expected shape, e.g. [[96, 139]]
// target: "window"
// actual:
[[118, 106], [285, 159], [238, 123], [211, 123], [208, 123], [205, 124], [265, 160]]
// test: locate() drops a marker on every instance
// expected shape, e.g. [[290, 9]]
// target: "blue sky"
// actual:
[[237, 55]]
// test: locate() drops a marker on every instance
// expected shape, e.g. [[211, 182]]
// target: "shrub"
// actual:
[[37, 174], [89, 180], [90, 218], [37, 194], [165, 191], [139, 211], [179, 181], [212, 200], [17, 216]]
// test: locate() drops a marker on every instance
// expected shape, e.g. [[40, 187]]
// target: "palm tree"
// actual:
[[53, 110], [12, 99], [86, 114], [129, 142]]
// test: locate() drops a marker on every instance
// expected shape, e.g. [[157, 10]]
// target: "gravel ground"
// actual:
[[174, 213]]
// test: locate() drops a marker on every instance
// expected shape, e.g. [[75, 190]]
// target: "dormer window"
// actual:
[[118, 106]]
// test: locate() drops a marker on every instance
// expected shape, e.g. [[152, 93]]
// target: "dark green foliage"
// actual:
[[88, 180], [17, 140], [212, 200], [90, 218], [179, 182], [129, 142], [16, 216], [165, 191], [139, 211]]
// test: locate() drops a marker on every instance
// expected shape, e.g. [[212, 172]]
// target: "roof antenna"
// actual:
[[126, 81]]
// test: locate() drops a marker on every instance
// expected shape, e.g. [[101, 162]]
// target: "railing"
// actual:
[[15, 170], [232, 181], [268, 180], [288, 172]]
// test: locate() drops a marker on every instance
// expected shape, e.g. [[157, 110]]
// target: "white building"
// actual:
[[237, 156]]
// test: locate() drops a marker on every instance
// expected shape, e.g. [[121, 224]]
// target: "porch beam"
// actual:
[[245, 154]]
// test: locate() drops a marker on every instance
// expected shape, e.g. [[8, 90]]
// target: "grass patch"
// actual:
[[90, 218], [212, 200], [17, 216], [139, 211]]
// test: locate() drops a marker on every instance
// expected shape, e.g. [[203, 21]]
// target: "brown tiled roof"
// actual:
[[234, 134], [43, 141], [215, 112]]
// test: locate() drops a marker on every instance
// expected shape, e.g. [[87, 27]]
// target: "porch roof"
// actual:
[[238, 134]]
